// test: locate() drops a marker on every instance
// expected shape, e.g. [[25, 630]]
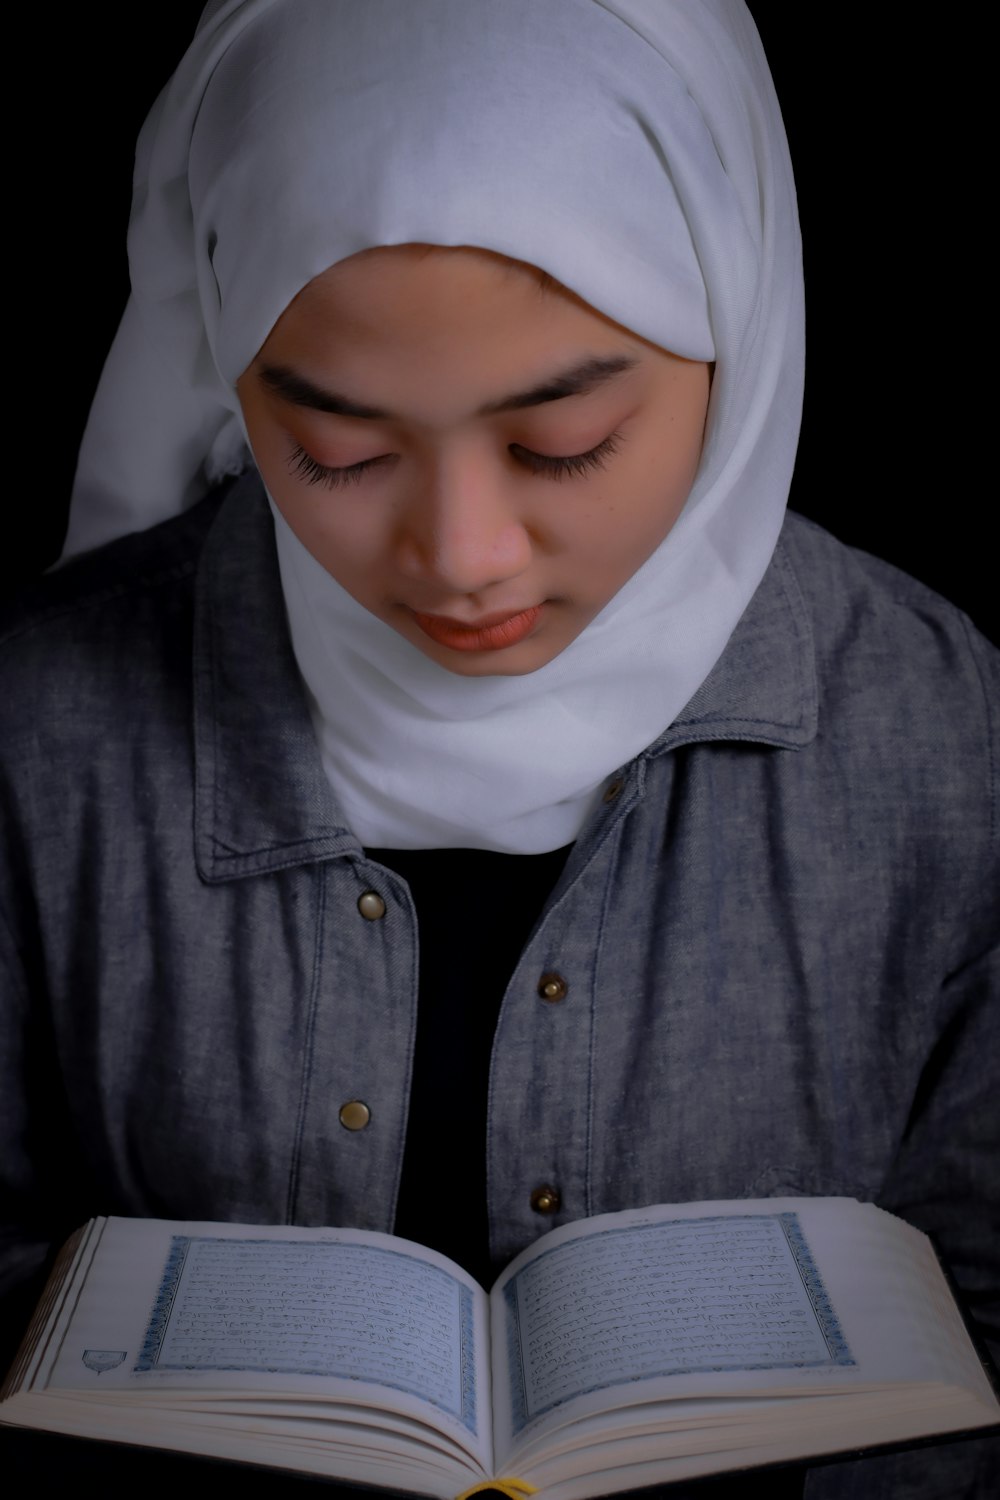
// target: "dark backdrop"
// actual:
[[892, 440]]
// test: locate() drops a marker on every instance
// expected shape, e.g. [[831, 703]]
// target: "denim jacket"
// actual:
[[777, 936]]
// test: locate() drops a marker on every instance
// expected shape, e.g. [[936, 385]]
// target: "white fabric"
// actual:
[[634, 150]]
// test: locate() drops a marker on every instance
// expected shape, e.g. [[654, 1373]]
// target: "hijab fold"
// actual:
[[633, 150]]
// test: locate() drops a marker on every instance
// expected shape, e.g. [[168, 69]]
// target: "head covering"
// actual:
[[633, 150]]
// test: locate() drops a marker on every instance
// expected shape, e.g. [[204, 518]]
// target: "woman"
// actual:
[[514, 334]]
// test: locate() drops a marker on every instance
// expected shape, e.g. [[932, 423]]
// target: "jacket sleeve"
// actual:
[[946, 1175], [946, 1181], [38, 1181]]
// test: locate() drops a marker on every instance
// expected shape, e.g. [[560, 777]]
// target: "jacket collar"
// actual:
[[763, 687], [262, 800]]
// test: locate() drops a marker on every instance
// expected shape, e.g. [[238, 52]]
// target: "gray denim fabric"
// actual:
[[780, 936]]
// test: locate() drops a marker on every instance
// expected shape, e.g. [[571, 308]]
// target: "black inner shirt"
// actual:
[[475, 912]]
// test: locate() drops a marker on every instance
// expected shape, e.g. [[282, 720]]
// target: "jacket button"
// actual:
[[371, 906], [354, 1115], [552, 987], [545, 1199], [611, 791]]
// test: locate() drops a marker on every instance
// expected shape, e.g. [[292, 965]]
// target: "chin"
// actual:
[[488, 668], [516, 661]]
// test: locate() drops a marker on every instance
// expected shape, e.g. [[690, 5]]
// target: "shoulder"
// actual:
[[107, 620], [908, 720], [115, 578], [881, 637], [859, 578]]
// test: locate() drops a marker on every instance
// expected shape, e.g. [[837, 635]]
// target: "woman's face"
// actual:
[[482, 461]]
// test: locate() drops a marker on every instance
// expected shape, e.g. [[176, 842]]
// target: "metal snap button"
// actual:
[[611, 792], [545, 1199], [552, 987], [354, 1115], [371, 906]]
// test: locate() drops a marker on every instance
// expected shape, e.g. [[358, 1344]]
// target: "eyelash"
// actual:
[[576, 465]]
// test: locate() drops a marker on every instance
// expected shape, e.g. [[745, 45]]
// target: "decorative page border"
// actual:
[[163, 1303], [170, 1280], [819, 1297], [802, 1257]]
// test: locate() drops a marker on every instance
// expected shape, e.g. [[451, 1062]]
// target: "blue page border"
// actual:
[[170, 1280], [819, 1299]]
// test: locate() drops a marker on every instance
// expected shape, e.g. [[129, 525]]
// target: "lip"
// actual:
[[492, 633]]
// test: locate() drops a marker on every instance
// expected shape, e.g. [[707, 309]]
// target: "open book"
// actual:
[[620, 1351]]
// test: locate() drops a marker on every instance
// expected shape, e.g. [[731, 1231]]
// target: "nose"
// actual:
[[461, 532]]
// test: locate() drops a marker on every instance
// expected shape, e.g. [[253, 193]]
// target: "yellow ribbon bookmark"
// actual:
[[514, 1489]]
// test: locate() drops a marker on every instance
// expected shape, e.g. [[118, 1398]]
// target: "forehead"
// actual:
[[419, 286], [398, 312]]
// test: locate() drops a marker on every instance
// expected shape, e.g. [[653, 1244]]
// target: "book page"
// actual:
[[319, 1308], [778, 1297], [685, 1297], [225, 1307]]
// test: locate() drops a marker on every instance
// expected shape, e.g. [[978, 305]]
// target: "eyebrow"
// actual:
[[579, 380]]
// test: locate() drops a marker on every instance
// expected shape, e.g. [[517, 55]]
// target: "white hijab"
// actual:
[[632, 149]]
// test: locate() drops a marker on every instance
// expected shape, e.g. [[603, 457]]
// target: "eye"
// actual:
[[304, 466], [575, 464]]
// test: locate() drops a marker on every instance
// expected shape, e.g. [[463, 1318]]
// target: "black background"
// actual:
[[893, 436]]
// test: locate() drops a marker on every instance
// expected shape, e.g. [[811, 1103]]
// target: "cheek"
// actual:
[[340, 537], [629, 522], [663, 481], [334, 530], [338, 534]]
